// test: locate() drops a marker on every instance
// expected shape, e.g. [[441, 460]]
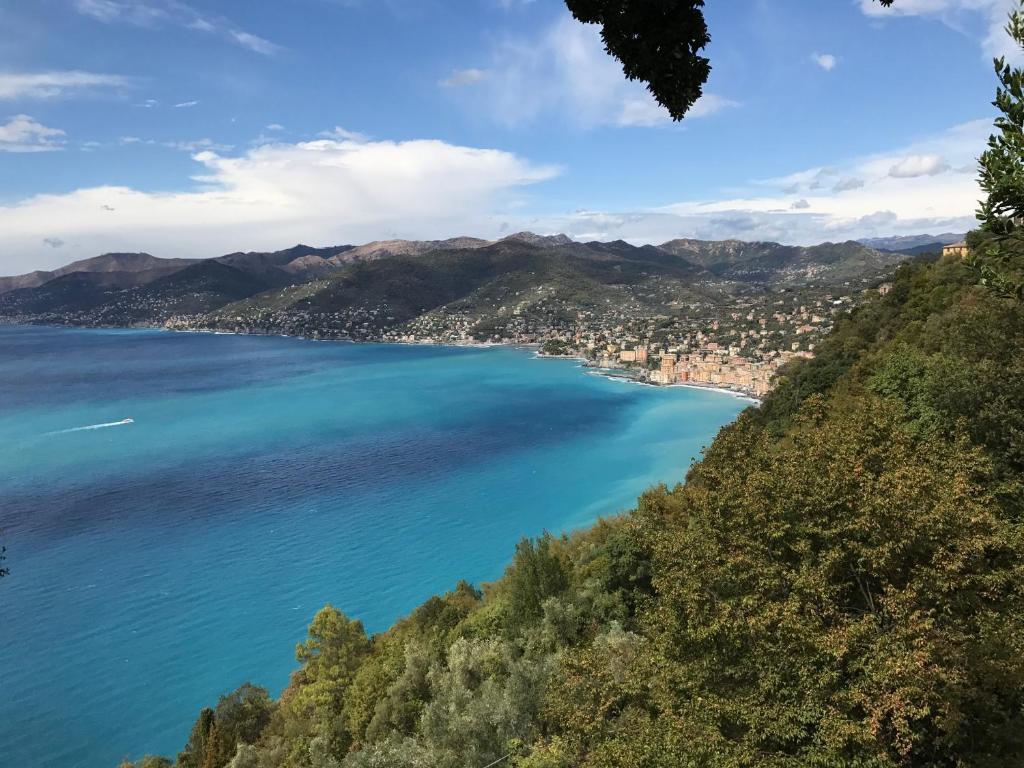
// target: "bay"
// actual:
[[176, 507]]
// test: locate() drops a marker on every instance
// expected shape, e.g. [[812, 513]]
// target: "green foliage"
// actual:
[[537, 573], [839, 582], [239, 719], [555, 347], [149, 761], [999, 257], [199, 743], [330, 658]]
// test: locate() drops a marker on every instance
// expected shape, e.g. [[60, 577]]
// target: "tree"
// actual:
[[194, 754], [658, 42], [998, 252], [536, 574], [330, 658]]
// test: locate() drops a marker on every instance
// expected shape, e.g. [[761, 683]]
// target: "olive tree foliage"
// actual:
[[658, 42], [998, 250]]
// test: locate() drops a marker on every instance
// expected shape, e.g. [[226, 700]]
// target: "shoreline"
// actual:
[[740, 395], [524, 346]]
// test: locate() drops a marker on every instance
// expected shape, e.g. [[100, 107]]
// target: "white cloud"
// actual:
[[460, 77], [825, 60], [919, 165], [155, 13], [870, 201], [564, 74], [337, 132], [186, 104], [992, 13], [52, 85], [275, 127], [197, 145], [275, 195], [22, 133], [253, 42]]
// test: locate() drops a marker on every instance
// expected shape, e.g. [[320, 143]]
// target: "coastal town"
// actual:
[[738, 345]]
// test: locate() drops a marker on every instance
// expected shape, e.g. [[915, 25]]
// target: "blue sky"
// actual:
[[201, 127]]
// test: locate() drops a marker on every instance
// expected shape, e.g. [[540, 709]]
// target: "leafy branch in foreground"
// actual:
[[998, 251], [658, 42]]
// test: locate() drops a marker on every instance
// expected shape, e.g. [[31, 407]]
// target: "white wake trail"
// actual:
[[121, 423]]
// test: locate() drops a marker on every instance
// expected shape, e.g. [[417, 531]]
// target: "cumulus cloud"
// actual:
[[564, 74], [993, 14], [872, 202], [275, 195], [22, 133], [157, 13], [825, 60], [52, 85], [918, 165]]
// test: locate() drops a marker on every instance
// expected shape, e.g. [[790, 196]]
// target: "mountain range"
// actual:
[[385, 284], [913, 245]]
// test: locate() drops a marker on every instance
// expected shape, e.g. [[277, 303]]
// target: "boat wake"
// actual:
[[121, 423]]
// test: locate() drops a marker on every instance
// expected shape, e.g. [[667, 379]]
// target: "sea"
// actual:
[[177, 506]]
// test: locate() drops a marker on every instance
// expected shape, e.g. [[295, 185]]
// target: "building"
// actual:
[[960, 250]]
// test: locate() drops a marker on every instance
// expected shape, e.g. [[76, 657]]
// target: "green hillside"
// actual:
[[87, 298], [485, 285], [837, 583]]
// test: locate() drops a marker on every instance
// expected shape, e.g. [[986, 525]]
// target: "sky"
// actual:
[[201, 127]]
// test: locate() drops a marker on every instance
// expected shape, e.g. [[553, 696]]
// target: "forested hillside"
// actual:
[[840, 581]]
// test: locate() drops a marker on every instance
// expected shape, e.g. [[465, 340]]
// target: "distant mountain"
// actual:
[[94, 299], [540, 240], [488, 286], [775, 264], [131, 269], [913, 245], [380, 249], [283, 267], [523, 280]]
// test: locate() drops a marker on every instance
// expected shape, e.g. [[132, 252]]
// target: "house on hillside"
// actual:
[[960, 250]]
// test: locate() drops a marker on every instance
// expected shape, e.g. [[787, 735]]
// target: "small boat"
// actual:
[[126, 421]]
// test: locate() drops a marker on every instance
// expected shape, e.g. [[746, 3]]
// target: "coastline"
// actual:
[[592, 370]]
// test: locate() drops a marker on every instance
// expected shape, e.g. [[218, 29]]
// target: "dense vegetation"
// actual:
[[838, 582]]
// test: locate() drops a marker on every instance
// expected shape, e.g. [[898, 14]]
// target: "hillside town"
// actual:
[[739, 345]]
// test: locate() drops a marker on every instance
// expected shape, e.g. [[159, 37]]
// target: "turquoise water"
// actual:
[[159, 563]]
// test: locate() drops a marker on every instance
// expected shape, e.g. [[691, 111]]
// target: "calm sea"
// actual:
[[159, 563]]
